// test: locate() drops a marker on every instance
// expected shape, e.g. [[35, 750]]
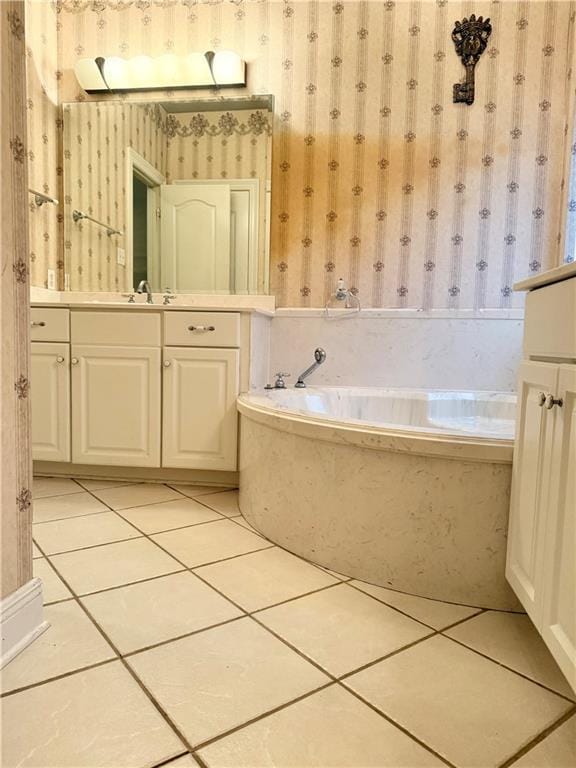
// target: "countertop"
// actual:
[[563, 272]]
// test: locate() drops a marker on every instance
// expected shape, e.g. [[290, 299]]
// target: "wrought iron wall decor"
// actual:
[[470, 39]]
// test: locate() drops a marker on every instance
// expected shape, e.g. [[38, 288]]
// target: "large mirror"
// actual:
[[174, 192]]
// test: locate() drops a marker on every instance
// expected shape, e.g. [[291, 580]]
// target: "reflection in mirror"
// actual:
[[185, 183]]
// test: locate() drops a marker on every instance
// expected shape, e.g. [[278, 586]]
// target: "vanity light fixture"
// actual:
[[224, 69]]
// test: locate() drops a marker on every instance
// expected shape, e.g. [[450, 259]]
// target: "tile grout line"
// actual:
[[170, 760], [542, 736]]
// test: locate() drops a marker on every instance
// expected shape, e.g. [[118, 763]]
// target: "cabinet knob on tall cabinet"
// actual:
[[74, 361], [551, 401], [167, 363], [541, 399], [59, 359]]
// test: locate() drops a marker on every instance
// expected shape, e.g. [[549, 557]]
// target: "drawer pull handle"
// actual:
[[201, 328], [551, 401], [59, 359], [74, 361], [39, 323]]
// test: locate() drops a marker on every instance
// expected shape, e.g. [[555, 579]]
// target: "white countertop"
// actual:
[[201, 302], [563, 272]]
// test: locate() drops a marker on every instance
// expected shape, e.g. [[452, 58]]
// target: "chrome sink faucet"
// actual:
[[144, 286], [319, 357]]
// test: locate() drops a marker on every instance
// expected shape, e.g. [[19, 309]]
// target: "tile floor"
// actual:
[[181, 637]]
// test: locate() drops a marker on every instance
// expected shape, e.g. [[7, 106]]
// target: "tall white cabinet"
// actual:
[[541, 560]]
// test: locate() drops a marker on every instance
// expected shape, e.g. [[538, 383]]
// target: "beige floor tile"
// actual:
[[100, 485], [556, 751], [431, 612], [53, 486], [92, 719], [53, 588], [71, 642], [207, 543], [161, 609], [225, 502], [71, 505], [470, 710], [342, 629], [265, 578], [167, 515], [195, 490], [511, 639], [36, 552], [113, 565], [329, 729], [86, 531], [137, 495], [218, 679]]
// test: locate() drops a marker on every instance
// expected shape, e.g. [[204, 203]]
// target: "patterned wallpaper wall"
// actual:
[[377, 176], [95, 140], [44, 134], [15, 449]]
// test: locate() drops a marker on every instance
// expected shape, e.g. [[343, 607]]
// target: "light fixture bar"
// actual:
[[224, 69]]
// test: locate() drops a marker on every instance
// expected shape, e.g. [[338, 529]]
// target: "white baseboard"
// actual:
[[21, 619]]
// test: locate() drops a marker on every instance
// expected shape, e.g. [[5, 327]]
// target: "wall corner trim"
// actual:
[[21, 619]]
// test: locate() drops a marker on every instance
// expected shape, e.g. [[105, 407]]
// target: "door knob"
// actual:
[[541, 399], [59, 359], [551, 401], [74, 361]]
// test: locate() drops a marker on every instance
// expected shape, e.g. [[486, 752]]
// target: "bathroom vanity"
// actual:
[[140, 386], [541, 561]]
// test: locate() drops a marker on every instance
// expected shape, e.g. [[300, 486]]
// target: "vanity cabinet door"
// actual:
[[559, 572], [531, 485], [50, 396], [116, 405], [200, 422]]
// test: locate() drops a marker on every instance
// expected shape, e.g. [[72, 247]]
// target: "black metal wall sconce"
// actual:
[[470, 40]]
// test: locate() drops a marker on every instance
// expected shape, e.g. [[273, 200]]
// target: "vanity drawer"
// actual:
[[202, 329], [129, 328], [49, 324], [550, 321]]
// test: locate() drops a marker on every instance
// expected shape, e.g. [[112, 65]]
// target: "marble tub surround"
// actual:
[[401, 348], [183, 669], [423, 516]]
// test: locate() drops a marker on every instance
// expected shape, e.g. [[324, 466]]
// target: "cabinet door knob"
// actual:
[[59, 359], [167, 363], [551, 401], [541, 399], [74, 361], [39, 323]]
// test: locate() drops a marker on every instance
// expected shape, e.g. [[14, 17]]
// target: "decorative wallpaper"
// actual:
[[377, 176], [44, 123], [16, 463]]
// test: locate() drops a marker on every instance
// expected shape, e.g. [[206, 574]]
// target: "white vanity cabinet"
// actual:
[[50, 384], [201, 382], [116, 388], [541, 560]]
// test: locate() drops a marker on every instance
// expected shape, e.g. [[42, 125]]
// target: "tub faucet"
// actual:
[[144, 286], [319, 357]]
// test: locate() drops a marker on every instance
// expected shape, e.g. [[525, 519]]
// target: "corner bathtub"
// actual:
[[406, 489]]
